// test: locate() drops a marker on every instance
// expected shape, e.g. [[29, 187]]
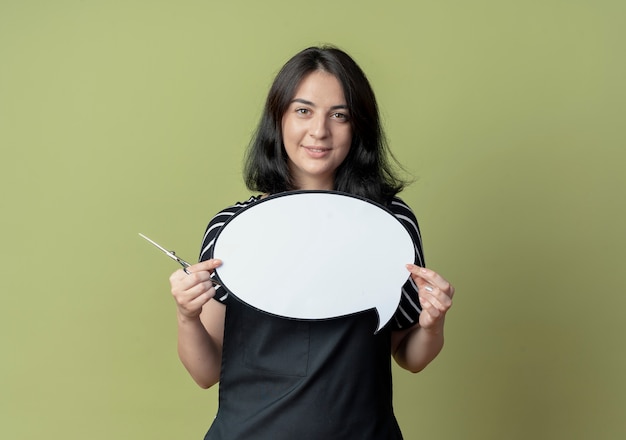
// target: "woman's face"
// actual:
[[316, 131]]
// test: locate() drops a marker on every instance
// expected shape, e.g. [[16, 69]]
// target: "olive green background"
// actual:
[[119, 117]]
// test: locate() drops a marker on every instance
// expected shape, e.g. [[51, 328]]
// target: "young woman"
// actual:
[[289, 379]]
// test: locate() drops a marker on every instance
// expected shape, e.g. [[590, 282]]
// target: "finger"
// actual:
[[431, 277], [428, 275], [429, 310], [438, 300], [204, 267], [182, 281], [207, 265], [193, 307], [195, 296], [201, 288], [199, 298], [178, 276]]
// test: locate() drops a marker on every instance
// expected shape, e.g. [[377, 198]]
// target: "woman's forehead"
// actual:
[[320, 88]]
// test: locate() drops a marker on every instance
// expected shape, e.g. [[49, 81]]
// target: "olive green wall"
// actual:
[[119, 117]]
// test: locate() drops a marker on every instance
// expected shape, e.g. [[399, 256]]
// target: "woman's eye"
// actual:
[[302, 111], [340, 116]]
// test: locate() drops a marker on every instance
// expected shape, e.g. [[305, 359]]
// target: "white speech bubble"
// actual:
[[315, 255]]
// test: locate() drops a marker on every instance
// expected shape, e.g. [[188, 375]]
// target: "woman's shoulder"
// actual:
[[219, 219], [231, 210], [405, 215], [238, 206], [400, 207]]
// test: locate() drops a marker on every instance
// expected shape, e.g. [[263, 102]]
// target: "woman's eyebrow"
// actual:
[[311, 104]]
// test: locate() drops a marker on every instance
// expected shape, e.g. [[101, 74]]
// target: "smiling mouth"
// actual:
[[317, 149]]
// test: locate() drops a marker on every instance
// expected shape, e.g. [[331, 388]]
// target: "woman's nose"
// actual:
[[319, 127]]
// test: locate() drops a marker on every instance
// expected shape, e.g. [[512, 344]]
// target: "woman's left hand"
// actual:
[[435, 295]]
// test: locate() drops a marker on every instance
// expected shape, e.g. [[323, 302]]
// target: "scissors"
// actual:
[[182, 262], [170, 254]]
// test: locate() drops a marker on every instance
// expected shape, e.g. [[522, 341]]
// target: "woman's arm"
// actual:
[[414, 348], [200, 322]]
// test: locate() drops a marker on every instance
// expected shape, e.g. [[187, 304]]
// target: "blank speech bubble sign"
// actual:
[[315, 255]]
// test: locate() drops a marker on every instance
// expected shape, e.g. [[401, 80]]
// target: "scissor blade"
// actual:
[[169, 254]]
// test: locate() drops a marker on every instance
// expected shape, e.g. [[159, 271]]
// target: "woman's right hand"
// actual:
[[192, 290]]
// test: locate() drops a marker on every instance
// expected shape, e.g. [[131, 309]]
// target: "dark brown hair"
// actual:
[[366, 170]]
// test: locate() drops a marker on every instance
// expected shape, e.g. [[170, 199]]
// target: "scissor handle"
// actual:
[[180, 261]]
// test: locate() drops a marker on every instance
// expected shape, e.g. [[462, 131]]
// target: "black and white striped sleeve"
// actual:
[[409, 308], [211, 232]]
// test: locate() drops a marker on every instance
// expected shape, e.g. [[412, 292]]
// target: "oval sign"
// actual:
[[315, 255]]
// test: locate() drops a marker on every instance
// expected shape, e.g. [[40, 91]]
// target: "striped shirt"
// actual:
[[409, 307]]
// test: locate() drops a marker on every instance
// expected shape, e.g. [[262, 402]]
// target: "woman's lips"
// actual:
[[316, 151]]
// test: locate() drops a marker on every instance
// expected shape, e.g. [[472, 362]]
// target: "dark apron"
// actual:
[[303, 380]]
